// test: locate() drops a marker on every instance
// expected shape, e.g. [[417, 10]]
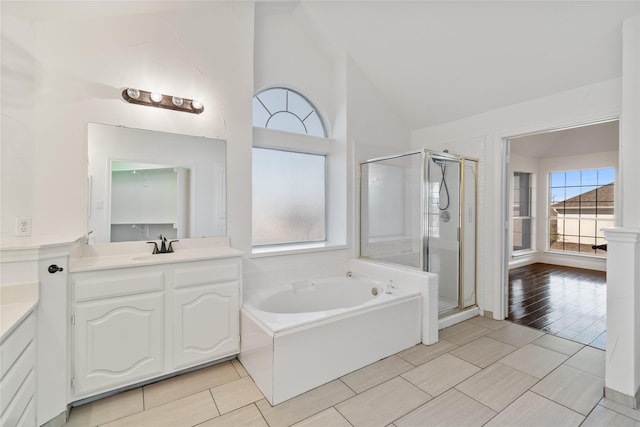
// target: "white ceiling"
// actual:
[[595, 138], [438, 61]]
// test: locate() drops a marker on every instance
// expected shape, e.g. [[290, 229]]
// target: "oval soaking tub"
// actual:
[[305, 334]]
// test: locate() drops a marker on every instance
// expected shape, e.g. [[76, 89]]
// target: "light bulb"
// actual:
[[155, 97], [197, 105], [177, 101], [133, 93]]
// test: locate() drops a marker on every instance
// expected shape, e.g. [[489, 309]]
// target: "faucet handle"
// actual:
[[170, 248], [155, 248]]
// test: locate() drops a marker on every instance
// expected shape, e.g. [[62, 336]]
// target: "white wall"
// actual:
[[288, 52], [18, 145], [583, 105], [81, 68]]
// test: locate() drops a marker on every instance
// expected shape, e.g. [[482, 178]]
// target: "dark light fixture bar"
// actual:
[[153, 99]]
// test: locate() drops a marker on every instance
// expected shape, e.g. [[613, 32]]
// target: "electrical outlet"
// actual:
[[23, 226]]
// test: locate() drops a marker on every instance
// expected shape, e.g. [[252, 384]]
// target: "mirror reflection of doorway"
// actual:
[[561, 194]]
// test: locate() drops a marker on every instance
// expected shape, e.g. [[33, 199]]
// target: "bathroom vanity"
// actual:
[[137, 316]]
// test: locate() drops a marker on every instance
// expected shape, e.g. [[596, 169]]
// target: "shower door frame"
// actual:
[[423, 187], [424, 222], [461, 218]]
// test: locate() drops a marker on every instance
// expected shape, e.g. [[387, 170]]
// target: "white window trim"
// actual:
[[532, 217], [336, 188]]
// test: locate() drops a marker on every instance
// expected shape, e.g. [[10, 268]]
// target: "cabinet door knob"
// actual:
[[54, 268]]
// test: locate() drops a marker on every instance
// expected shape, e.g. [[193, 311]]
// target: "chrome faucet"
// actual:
[[164, 247]]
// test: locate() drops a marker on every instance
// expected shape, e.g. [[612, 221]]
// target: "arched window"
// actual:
[[287, 110], [297, 179]]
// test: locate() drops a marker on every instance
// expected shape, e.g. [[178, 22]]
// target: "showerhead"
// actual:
[[440, 162]]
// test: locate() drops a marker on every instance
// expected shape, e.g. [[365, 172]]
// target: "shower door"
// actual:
[[442, 246], [391, 198]]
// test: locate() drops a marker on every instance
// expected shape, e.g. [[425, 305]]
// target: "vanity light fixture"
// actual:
[[154, 99]]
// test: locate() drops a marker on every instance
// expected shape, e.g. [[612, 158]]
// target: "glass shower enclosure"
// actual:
[[418, 209]]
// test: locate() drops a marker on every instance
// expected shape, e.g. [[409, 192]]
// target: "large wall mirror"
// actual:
[[144, 183]]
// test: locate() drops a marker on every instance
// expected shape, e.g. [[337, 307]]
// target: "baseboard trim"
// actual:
[[57, 421], [623, 399]]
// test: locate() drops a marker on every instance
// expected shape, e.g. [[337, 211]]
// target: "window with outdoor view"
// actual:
[[522, 208], [581, 204]]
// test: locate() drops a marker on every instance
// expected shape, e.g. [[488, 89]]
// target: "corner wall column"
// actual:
[[622, 378]]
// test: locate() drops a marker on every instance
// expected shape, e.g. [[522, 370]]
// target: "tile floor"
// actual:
[[481, 372]]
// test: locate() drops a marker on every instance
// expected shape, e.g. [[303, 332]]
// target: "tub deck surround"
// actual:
[[408, 278], [288, 352], [134, 254]]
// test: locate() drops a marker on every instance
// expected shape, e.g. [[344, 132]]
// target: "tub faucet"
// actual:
[[390, 287]]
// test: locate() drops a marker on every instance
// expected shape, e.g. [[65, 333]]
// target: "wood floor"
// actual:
[[563, 301]]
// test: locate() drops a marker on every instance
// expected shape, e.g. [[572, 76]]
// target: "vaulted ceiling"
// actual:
[[439, 61], [436, 62]]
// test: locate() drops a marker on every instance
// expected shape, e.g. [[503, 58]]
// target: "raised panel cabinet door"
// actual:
[[206, 323], [118, 341]]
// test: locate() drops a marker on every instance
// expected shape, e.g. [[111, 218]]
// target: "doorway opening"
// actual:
[[560, 192]]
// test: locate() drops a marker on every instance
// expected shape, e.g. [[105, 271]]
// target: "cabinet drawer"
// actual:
[[20, 409], [15, 343], [109, 284], [15, 375], [201, 273]]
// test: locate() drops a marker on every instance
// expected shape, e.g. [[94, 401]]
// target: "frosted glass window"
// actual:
[[581, 203], [289, 194], [286, 110]]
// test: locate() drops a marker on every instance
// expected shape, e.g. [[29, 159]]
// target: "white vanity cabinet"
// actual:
[[206, 307], [133, 324], [118, 328]]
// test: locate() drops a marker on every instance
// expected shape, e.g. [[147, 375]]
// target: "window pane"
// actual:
[[521, 208], [288, 197], [260, 114], [522, 194], [286, 122], [298, 105], [285, 110], [589, 177], [274, 99], [557, 179], [573, 178], [557, 195], [606, 176], [521, 234], [314, 125], [580, 209]]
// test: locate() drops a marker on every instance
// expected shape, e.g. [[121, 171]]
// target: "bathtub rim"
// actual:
[[294, 322]]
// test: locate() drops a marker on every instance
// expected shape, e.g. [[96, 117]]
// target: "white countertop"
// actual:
[[136, 254], [16, 303], [142, 259]]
